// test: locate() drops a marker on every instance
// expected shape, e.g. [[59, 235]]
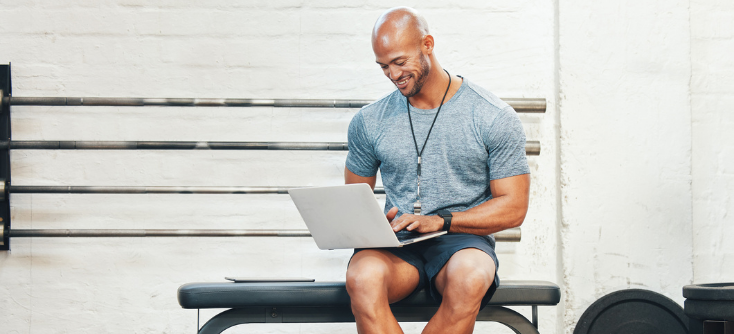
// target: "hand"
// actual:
[[421, 224], [391, 214]]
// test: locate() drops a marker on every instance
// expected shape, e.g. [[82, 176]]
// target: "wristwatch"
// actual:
[[446, 215]]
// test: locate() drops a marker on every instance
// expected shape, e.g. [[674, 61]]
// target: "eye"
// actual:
[[400, 63]]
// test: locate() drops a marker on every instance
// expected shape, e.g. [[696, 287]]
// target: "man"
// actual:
[[442, 145]]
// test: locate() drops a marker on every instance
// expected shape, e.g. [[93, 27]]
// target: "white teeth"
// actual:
[[402, 82]]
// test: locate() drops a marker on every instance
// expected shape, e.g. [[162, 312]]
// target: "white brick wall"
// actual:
[[625, 149], [712, 97], [642, 121], [287, 49]]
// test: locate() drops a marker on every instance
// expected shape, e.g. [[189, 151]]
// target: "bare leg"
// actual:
[[462, 282], [376, 278]]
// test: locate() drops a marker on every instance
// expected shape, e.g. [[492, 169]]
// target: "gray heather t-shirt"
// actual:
[[477, 138]]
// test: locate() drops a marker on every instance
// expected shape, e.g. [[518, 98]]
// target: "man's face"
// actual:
[[408, 70]]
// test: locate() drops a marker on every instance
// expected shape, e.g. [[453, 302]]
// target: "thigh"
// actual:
[[463, 262], [399, 277]]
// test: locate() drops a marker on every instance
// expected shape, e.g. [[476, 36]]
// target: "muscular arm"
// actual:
[[350, 178], [506, 209]]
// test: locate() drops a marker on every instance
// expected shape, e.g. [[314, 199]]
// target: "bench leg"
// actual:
[[513, 320], [220, 322], [233, 317]]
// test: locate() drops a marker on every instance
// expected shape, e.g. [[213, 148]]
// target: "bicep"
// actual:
[[504, 138], [350, 178], [361, 158], [515, 187]]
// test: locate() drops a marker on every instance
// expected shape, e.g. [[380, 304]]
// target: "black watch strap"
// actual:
[[446, 215]]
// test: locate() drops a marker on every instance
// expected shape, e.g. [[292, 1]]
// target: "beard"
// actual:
[[420, 79]]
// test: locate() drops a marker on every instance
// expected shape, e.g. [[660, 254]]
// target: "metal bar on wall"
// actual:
[[153, 190], [55, 233], [510, 235], [531, 147], [523, 105], [171, 145]]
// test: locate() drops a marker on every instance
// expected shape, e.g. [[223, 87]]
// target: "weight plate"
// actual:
[[709, 309], [713, 291], [633, 311]]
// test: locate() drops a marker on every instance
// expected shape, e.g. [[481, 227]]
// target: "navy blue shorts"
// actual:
[[429, 256]]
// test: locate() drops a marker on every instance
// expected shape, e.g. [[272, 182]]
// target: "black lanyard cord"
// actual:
[[410, 119]]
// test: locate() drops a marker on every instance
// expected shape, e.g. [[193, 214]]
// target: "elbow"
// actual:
[[519, 216], [517, 222]]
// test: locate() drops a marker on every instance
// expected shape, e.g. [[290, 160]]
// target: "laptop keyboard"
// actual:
[[405, 235]]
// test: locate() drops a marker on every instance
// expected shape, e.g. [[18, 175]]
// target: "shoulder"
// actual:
[[383, 106], [494, 120], [368, 119], [486, 106], [376, 113], [484, 98]]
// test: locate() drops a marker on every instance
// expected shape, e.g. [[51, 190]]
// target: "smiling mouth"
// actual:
[[402, 82]]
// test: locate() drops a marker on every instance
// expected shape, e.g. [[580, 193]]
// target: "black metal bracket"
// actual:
[[329, 314], [5, 93]]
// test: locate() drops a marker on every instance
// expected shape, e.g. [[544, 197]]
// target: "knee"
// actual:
[[469, 282], [464, 292], [477, 282], [366, 278]]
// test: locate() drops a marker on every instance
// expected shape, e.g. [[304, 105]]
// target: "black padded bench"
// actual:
[[327, 302]]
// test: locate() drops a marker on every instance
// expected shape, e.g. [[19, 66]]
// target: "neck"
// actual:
[[433, 89]]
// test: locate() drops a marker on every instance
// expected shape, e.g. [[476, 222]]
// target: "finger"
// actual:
[[391, 214], [400, 223], [414, 225], [397, 225], [394, 222]]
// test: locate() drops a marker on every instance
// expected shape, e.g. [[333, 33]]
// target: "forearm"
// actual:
[[497, 214], [505, 210]]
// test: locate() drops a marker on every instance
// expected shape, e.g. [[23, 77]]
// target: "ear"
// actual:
[[427, 44]]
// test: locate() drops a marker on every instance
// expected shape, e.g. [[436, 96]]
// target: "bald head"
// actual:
[[399, 26], [404, 50]]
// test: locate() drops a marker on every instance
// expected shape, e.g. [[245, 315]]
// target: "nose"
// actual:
[[394, 73]]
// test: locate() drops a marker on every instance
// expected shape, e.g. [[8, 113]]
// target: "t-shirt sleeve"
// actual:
[[505, 142], [361, 159]]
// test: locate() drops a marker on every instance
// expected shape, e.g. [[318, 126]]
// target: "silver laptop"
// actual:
[[349, 216]]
